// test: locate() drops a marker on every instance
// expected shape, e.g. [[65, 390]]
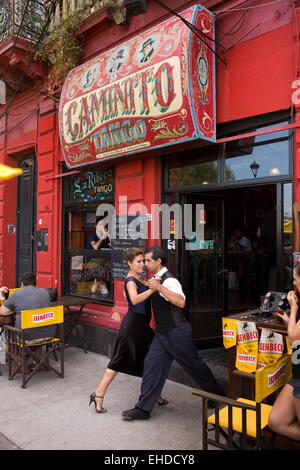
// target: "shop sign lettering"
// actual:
[[153, 90], [275, 376], [93, 185], [42, 317]]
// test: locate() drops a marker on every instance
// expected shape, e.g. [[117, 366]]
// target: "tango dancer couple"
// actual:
[[149, 354]]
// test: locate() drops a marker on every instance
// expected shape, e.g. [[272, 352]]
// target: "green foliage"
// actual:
[[62, 49]]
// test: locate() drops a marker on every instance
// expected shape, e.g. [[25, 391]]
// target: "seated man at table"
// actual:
[[27, 298]]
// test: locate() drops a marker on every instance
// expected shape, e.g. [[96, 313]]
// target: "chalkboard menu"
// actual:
[[129, 231]]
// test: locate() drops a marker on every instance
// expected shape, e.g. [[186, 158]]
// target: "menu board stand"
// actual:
[[129, 231]]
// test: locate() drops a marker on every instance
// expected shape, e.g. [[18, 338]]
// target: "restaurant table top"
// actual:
[[262, 321], [74, 300]]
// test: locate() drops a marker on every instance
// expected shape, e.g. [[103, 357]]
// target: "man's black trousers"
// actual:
[[176, 344]]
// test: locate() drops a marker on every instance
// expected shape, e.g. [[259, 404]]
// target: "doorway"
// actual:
[[26, 218], [247, 250], [204, 264]]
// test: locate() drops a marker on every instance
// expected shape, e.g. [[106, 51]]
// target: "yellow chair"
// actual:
[[248, 418], [21, 349]]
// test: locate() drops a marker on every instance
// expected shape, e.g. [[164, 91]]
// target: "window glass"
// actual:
[[88, 241], [259, 156], [91, 276], [287, 236], [194, 167], [87, 230]]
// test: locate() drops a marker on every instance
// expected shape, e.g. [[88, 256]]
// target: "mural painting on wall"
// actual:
[[154, 90]]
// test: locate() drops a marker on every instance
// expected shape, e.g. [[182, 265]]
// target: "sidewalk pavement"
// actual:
[[53, 413]]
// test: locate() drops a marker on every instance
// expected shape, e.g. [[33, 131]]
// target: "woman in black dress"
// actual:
[[135, 334]]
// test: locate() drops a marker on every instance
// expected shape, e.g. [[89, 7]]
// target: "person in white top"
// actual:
[[171, 283], [239, 241]]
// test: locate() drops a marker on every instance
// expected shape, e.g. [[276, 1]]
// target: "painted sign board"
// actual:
[[93, 185], [154, 90]]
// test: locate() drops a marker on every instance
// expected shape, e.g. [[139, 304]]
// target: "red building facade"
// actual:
[[256, 88]]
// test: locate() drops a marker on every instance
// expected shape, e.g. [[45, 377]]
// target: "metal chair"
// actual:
[[20, 349]]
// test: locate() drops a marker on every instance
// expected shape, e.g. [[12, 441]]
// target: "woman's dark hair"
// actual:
[[28, 279], [130, 253], [297, 269], [158, 252]]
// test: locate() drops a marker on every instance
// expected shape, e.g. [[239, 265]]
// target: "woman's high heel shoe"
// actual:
[[93, 397], [162, 402]]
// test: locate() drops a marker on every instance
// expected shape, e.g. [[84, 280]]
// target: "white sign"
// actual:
[[2, 92]]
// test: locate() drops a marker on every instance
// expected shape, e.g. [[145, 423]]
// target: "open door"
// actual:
[[204, 268]]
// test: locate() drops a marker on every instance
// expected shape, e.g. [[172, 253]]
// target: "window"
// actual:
[[288, 236], [194, 167], [87, 240], [260, 156]]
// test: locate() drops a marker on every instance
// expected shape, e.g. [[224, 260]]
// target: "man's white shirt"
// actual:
[[170, 283]]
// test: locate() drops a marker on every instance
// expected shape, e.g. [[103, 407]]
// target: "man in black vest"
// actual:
[[172, 340]]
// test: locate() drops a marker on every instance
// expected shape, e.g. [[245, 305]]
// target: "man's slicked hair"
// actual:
[[158, 252]]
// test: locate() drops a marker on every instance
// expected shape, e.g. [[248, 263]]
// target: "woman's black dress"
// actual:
[[135, 335]]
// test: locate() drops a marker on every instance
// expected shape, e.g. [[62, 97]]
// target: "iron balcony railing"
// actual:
[[22, 18], [25, 18]]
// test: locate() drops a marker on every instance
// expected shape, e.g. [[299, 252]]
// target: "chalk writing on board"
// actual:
[[129, 231]]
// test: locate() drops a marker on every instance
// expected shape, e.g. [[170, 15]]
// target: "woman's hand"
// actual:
[[292, 299], [146, 283], [283, 316], [154, 283]]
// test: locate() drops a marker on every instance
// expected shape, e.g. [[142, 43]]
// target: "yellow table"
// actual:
[[243, 384]]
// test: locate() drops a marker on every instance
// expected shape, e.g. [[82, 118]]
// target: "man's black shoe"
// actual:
[[135, 413]]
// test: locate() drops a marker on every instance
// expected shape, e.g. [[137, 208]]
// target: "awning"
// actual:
[[155, 90]]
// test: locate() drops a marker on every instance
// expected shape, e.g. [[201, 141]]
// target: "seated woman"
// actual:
[[285, 415]]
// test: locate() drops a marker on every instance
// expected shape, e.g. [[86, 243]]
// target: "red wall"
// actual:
[[258, 76], [17, 139], [49, 202]]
